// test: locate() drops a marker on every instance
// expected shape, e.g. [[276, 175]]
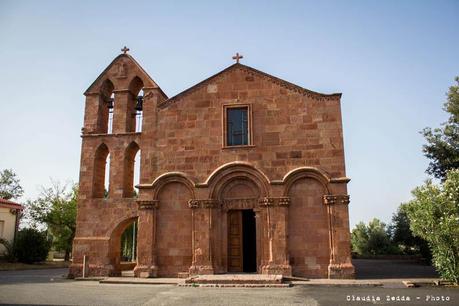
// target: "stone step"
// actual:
[[235, 279], [237, 285]]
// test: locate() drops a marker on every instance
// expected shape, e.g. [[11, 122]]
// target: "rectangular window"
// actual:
[[237, 126]]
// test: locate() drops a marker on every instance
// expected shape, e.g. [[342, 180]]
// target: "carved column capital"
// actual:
[[336, 199], [207, 203], [272, 201], [148, 204], [283, 201], [266, 201]]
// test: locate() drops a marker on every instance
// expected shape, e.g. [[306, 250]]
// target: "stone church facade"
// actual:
[[243, 172]]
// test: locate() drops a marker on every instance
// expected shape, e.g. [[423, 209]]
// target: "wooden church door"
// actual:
[[235, 259]]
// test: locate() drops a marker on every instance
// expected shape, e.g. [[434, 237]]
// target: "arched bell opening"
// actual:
[[106, 106], [136, 105]]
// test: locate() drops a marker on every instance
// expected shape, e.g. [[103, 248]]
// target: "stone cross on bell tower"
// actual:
[[125, 50]]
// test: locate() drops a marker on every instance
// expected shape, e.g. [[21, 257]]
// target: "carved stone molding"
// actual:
[[242, 203], [280, 201], [149, 96], [208, 203], [120, 71], [336, 199], [150, 204]]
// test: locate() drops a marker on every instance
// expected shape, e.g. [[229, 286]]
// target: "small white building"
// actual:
[[10, 213]]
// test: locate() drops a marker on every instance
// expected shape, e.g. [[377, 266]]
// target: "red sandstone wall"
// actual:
[[173, 230], [289, 129], [308, 242]]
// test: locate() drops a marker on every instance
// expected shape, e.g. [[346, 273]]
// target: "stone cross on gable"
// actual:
[[237, 57], [125, 49]]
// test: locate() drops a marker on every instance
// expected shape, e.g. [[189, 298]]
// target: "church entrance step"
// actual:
[[233, 279], [237, 285]]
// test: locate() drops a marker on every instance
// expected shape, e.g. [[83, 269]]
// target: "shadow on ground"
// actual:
[[390, 268], [33, 276]]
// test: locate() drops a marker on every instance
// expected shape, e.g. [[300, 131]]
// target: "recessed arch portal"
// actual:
[[173, 229], [308, 242]]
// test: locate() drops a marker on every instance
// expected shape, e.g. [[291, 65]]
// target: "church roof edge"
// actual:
[[317, 95]]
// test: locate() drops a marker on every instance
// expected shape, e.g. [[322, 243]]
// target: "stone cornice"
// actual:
[[147, 204], [340, 180], [336, 199], [84, 135]]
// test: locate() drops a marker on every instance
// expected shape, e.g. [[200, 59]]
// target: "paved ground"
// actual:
[[385, 269], [50, 288]]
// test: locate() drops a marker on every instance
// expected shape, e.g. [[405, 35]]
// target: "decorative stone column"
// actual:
[[201, 211], [277, 228], [146, 240], [340, 250]]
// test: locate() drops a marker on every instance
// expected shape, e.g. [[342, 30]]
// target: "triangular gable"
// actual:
[[250, 70], [146, 78]]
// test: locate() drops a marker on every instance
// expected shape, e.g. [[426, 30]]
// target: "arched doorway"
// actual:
[[123, 246], [128, 245], [240, 197]]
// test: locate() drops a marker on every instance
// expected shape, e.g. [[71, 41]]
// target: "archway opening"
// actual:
[[131, 170], [129, 244], [123, 247], [101, 174]]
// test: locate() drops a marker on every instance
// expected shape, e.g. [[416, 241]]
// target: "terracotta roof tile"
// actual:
[[9, 204]]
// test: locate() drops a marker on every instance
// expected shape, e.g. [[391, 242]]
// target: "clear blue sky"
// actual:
[[392, 60]]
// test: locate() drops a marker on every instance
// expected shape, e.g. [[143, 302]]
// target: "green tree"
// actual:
[[434, 216], [403, 238], [373, 239], [56, 209], [442, 146], [9, 185], [31, 246]]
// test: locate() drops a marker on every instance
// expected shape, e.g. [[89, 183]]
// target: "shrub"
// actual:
[[434, 216], [31, 246], [9, 252]]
